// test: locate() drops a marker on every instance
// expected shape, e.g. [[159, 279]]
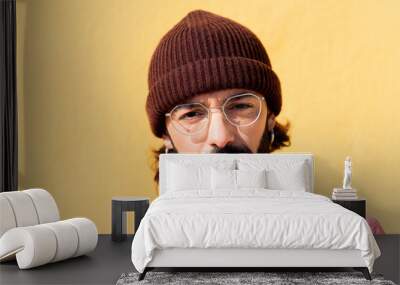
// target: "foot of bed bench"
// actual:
[[364, 271]]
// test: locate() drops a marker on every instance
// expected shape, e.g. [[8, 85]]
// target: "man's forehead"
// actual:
[[216, 95]]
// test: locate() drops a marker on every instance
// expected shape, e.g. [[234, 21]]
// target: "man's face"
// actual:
[[219, 135]]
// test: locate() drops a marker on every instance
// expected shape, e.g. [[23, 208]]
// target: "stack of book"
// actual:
[[344, 194]]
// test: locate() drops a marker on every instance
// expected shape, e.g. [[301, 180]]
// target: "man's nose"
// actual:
[[220, 131]]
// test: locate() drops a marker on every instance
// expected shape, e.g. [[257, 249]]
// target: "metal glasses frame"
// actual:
[[222, 107]]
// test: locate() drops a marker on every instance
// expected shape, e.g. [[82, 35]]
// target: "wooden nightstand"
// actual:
[[357, 205]]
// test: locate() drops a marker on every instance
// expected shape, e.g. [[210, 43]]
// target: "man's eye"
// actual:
[[191, 115], [240, 106]]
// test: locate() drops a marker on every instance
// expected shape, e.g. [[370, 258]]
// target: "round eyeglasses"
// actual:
[[240, 110]]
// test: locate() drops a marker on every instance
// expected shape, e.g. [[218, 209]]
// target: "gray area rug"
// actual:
[[225, 278]]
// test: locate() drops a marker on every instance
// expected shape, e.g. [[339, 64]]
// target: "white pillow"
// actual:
[[186, 175], [181, 177], [282, 174], [223, 179], [229, 179], [288, 179], [251, 178]]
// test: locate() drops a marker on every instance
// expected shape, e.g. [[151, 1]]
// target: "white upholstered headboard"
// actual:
[[211, 158]]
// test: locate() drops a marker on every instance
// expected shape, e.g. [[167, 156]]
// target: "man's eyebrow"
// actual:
[[202, 101]]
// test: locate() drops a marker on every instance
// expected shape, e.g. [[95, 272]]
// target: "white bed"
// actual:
[[215, 225]]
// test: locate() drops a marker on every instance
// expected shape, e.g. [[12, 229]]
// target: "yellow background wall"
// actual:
[[82, 86]]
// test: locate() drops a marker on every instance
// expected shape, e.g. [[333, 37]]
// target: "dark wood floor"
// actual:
[[111, 259]]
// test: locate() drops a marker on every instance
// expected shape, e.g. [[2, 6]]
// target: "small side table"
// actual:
[[357, 205], [122, 204]]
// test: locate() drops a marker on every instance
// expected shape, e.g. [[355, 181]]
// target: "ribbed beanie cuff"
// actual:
[[237, 61]]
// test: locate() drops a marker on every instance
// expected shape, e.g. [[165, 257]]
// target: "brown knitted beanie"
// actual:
[[206, 52]]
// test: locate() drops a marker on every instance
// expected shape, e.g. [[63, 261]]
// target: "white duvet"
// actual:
[[250, 218]]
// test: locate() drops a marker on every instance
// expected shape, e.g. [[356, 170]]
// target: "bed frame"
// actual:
[[248, 259]]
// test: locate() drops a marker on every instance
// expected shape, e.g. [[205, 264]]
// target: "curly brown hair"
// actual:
[[281, 139]]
